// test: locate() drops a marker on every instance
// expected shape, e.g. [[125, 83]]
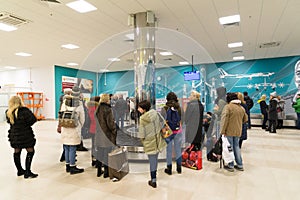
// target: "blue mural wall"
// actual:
[[257, 77]]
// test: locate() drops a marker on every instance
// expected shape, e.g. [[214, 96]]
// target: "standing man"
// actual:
[[120, 108], [273, 112], [233, 116], [250, 104]]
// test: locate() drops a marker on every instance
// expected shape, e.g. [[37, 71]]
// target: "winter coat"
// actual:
[[106, 131], [296, 106], [249, 102], [272, 109], [220, 101], [92, 106], [72, 136], [194, 121], [280, 109], [263, 106], [149, 132], [121, 107], [244, 126], [20, 134], [233, 117]]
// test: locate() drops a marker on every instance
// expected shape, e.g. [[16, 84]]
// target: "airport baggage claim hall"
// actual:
[[143, 50]]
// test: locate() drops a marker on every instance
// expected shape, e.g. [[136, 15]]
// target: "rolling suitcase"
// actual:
[[118, 164]]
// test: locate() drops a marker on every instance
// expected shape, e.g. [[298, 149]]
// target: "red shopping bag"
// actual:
[[192, 158]]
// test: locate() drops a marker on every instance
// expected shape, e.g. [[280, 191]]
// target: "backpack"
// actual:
[[173, 118], [68, 119]]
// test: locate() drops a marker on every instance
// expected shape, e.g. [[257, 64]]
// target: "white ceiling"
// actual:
[[185, 27]]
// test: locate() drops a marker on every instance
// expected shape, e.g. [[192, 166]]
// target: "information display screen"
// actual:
[[189, 76]]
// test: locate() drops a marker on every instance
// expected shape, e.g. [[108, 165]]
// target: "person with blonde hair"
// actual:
[[263, 109], [193, 120], [21, 135], [244, 126]]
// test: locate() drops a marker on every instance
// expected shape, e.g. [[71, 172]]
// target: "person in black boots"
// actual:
[[149, 133], [176, 137], [21, 134], [71, 136], [273, 112], [105, 135]]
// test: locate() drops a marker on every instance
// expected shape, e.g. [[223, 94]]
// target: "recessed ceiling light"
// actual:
[[8, 28], [184, 63], [114, 59], [72, 64], [166, 53], [230, 19], [10, 67], [238, 58], [70, 46], [23, 54], [81, 6], [235, 44]]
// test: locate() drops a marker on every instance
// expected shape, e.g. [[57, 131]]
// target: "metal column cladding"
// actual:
[[144, 56]]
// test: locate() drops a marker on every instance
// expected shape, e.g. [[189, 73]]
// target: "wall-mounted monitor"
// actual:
[[190, 76]]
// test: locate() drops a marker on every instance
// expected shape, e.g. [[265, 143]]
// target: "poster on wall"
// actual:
[[85, 85]]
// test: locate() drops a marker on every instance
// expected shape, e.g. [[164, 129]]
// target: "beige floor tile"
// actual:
[[271, 162]]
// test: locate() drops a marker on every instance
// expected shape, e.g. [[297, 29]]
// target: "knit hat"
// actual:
[[274, 94], [75, 91]]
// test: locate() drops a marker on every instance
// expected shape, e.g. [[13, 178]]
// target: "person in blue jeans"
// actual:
[[232, 119], [149, 133], [176, 138]]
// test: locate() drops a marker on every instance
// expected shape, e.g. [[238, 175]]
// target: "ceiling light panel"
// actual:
[[184, 63], [72, 64], [70, 46], [230, 19], [114, 59], [238, 58], [235, 44], [81, 6], [166, 53], [8, 28], [23, 54]]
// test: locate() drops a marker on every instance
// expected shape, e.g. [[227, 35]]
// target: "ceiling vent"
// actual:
[[231, 24], [50, 1], [237, 52], [11, 19], [269, 44], [167, 59]]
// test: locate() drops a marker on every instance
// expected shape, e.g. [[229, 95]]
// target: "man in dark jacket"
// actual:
[[273, 112], [250, 104]]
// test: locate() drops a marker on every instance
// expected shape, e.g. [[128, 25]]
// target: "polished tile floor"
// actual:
[[271, 162]]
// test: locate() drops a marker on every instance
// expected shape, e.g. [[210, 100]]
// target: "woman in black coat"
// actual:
[[194, 120], [21, 134]]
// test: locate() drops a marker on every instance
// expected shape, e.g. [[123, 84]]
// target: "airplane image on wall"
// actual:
[[224, 74]]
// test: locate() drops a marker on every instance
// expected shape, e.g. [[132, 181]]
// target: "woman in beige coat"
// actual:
[[149, 132], [72, 136]]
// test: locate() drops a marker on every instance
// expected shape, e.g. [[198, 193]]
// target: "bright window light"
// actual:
[[23, 54], [166, 53], [229, 19], [184, 63], [235, 44], [238, 58], [10, 67], [81, 6], [114, 59], [72, 64], [8, 28], [70, 46]]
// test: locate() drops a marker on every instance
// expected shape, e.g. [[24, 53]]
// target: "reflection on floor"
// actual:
[[271, 162]]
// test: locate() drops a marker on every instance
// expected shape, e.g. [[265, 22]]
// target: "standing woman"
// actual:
[[106, 134], [273, 112], [176, 137], [71, 137], [264, 110], [149, 132], [21, 134], [92, 106], [194, 120]]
